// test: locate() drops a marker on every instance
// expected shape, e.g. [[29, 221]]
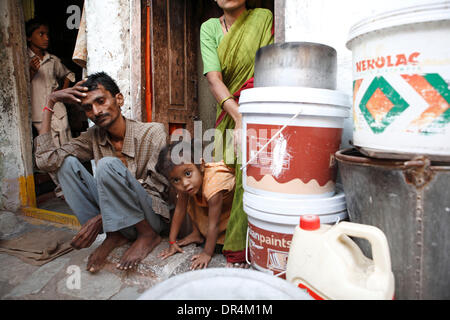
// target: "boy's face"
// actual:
[[39, 38], [187, 178]]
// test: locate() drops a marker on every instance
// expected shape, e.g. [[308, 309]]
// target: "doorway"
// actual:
[[62, 18], [179, 94]]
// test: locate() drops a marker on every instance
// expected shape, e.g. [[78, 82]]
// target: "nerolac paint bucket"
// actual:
[[401, 76]]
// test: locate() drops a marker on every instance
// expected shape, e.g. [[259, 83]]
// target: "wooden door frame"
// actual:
[[146, 62], [151, 109]]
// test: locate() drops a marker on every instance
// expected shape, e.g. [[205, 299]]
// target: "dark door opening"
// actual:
[[63, 18]]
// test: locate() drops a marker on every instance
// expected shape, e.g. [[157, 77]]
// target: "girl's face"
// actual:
[[187, 178]]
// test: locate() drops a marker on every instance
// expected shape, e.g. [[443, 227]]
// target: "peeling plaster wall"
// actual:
[[15, 125], [329, 22], [113, 44]]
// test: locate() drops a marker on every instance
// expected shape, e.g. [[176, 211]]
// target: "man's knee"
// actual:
[[70, 163], [107, 163], [107, 166]]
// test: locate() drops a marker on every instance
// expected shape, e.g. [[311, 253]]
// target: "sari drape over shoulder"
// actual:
[[251, 31], [237, 50]]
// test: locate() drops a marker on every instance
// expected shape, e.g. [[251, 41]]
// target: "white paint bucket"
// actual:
[[271, 225], [401, 76], [290, 136], [224, 284]]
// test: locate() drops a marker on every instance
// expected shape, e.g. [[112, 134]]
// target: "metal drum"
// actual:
[[296, 64], [410, 202]]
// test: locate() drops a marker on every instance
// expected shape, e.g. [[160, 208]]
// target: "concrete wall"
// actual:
[[329, 22], [15, 125], [114, 46]]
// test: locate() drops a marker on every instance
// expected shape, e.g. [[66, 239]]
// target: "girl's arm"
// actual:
[[178, 216], [214, 210], [177, 221]]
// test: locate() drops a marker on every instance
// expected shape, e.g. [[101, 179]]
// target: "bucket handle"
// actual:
[[376, 238], [246, 248]]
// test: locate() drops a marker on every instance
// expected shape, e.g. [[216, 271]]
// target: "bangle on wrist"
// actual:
[[224, 100], [172, 242], [47, 108]]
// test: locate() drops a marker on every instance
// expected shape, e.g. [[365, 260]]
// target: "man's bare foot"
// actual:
[[140, 248], [194, 237], [97, 258], [243, 265], [146, 241]]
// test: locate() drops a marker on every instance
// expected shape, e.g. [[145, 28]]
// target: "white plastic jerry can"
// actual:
[[327, 264]]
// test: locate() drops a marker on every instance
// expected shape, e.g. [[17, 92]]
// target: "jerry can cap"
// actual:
[[309, 222]]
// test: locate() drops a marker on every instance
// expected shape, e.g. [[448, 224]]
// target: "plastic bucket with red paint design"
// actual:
[[290, 136]]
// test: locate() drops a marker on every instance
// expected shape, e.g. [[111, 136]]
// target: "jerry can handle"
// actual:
[[376, 238]]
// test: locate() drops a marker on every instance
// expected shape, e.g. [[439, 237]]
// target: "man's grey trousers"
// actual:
[[114, 193]]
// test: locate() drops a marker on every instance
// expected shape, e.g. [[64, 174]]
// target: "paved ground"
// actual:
[[65, 278]]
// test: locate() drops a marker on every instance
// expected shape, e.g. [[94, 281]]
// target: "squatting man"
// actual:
[[127, 198]]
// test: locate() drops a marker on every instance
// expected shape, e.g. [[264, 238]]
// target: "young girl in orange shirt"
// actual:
[[204, 191]]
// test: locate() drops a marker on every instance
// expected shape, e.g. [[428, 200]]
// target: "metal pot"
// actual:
[[296, 64]]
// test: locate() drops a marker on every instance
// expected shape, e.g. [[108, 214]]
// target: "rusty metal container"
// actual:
[[410, 202], [296, 64]]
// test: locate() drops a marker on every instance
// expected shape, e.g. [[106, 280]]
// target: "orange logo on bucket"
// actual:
[[381, 104], [434, 90]]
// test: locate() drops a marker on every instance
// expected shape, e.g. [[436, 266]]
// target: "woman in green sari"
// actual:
[[228, 45]]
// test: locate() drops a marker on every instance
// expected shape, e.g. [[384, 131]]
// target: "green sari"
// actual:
[[237, 50]]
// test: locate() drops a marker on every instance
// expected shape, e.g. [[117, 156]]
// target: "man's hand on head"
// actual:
[[72, 95]]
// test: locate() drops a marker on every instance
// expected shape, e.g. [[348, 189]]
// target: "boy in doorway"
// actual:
[[46, 74]]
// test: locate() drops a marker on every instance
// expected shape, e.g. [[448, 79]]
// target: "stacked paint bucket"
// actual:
[[401, 120], [292, 126]]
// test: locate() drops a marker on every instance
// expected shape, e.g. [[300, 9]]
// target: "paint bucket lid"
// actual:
[[422, 11], [294, 95], [291, 219], [296, 207], [224, 284]]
